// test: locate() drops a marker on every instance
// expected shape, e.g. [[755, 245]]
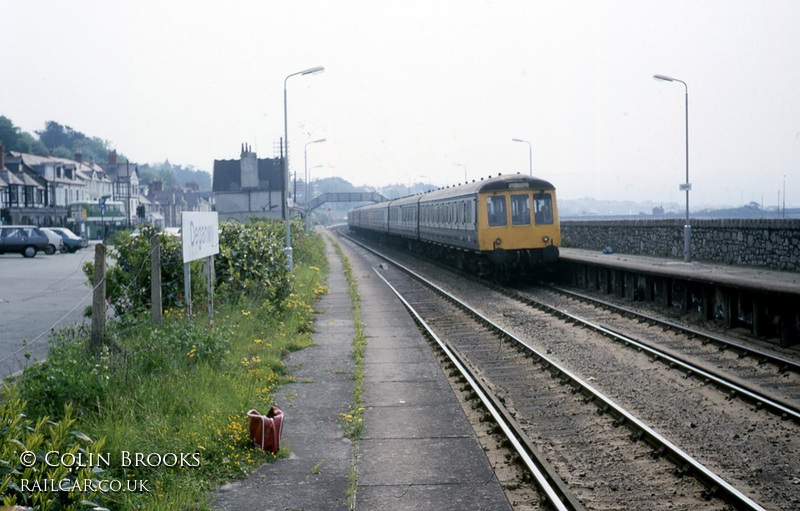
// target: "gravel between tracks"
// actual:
[[755, 451]]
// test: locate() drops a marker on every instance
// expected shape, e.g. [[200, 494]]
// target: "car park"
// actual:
[[72, 242], [54, 241], [22, 239]]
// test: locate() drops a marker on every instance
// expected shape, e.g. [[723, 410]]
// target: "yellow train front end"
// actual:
[[518, 225]]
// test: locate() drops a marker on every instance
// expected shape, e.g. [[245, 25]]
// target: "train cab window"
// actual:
[[496, 209], [542, 209], [521, 209]]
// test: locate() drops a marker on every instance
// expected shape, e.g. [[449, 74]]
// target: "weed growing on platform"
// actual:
[[353, 421], [181, 392]]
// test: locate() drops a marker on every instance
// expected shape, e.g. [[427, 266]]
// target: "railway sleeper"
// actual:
[[709, 493], [658, 452], [682, 470]]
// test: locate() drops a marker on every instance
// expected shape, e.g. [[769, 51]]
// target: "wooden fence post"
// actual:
[[155, 281], [187, 287], [98, 298], [210, 285]]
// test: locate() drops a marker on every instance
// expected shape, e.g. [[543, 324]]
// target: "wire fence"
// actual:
[[16, 361]]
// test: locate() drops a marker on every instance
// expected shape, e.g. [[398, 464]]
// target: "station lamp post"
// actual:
[[530, 153], [287, 212], [687, 228]]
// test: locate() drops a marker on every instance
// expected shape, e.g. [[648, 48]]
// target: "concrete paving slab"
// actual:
[[410, 355], [432, 460], [415, 422], [409, 393], [289, 485], [390, 340], [421, 371], [453, 497]]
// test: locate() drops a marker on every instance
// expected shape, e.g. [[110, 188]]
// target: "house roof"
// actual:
[[121, 169], [9, 178], [28, 180], [86, 175], [33, 160], [228, 175]]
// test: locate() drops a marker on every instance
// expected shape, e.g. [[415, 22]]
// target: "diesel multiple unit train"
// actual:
[[501, 226]]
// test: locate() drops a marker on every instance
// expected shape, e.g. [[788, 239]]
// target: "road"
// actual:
[[37, 296]]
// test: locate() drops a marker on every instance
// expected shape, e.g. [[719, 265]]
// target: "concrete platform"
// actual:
[[767, 302], [418, 451], [741, 277]]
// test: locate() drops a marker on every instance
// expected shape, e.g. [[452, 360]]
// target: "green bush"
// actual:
[[251, 261], [21, 475], [64, 376], [128, 279]]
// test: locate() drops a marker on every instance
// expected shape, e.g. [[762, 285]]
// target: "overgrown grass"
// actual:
[[353, 421], [180, 392]]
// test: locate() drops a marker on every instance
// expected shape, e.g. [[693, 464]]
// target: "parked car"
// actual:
[[55, 242], [22, 239], [72, 242]]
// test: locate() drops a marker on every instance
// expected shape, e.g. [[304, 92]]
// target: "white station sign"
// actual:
[[199, 234]]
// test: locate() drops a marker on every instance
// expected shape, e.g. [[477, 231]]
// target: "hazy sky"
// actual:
[[412, 88]]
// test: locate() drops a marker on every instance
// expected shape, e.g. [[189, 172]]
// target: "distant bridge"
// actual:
[[346, 197]]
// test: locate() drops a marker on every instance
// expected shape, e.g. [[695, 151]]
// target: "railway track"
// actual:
[[751, 382], [580, 428], [742, 350]]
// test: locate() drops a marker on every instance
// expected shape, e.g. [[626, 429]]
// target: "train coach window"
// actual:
[[542, 208], [521, 209], [496, 209]]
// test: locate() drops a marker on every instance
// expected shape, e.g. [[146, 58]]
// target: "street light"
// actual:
[[530, 153], [288, 249], [308, 198], [687, 229], [465, 170]]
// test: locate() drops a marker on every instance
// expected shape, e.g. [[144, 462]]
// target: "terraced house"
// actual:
[[46, 190]]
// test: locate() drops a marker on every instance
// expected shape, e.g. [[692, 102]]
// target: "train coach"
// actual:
[[506, 225]]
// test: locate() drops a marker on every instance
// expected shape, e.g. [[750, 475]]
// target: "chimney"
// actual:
[[248, 169], [156, 185], [112, 157], [79, 156], [2, 157]]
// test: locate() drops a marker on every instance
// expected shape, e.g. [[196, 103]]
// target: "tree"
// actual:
[[14, 139], [65, 142], [162, 171], [55, 135], [9, 134]]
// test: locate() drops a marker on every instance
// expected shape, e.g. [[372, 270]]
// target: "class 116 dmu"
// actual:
[[501, 226]]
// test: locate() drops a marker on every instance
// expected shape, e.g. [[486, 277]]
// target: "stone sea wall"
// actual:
[[773, 244]]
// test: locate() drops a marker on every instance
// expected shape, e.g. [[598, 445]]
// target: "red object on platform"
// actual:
[[266, 430]]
